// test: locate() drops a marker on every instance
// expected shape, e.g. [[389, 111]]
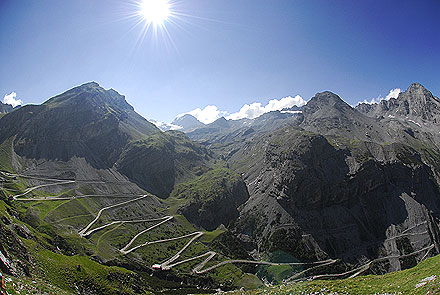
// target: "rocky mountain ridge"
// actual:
[[338, 183], [416, 102], [326, 182], [5, 108]]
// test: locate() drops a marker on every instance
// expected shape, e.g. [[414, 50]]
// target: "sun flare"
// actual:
[[155, 11]]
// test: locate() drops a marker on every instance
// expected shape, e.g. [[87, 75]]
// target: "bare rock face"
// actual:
[[415, 103], [340, 184], [14, 257], [330, 203], [213, 198]]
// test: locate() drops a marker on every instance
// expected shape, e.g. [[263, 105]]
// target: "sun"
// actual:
[[155, 11], [156, 20]]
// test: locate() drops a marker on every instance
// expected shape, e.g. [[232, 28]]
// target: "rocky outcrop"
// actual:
[[338, 183], [14, 257], [336, 202], [212, 199]]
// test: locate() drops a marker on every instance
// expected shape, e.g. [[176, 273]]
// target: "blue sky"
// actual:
[[225, 53]]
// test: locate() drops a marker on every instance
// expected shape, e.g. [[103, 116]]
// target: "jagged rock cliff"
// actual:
[[340, 184]]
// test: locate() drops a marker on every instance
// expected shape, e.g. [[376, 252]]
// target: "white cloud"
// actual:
[[207, 115], [372, 101], [256, 109], [394, 93], [10, 99], [165, 126], [211, 113]]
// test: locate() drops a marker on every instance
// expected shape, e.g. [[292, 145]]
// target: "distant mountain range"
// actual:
[[188, 123], [324, 182]]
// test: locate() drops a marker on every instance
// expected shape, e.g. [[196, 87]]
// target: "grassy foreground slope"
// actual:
[[421, 279]]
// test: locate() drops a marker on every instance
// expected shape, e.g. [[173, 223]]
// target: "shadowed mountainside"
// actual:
[[334, 182], [324, 181]]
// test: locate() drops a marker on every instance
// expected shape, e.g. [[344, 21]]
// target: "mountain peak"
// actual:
[[185, 117], [325, 100], [415, 102], [416, 86], [91, 93], [219, 123], [328, 97], [188, 122], [86, 87], [86, 121], [90, 84], [418, 91]]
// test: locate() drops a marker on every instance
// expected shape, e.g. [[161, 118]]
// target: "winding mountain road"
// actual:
[[170, 263], [84, 230]]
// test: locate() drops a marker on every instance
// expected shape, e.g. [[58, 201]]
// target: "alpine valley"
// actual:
[[95, 199]]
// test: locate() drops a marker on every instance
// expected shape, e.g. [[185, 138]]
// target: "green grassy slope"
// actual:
[[421, 279], [63, 260], [6, 155]]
